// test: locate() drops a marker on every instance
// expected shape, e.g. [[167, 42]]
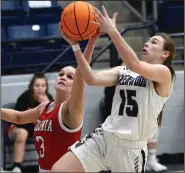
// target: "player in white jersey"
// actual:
[[142, 88]]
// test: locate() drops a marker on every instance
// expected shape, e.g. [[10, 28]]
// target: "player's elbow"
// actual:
[[91, 81]]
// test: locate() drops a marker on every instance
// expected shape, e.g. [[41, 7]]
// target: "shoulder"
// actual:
[[117, 70], [166, 72], [23, 101], [119, 67], [24, 95], [65, 120], [122, 70]]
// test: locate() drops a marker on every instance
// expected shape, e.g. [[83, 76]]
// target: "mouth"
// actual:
[[144, 51], [61, 83]]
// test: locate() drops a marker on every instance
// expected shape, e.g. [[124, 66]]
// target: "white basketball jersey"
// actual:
[[135, 107]]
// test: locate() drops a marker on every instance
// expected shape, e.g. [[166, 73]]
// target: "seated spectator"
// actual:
[[36, 93]]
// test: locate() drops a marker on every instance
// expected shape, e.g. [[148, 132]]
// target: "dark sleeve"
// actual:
[[22, 103]]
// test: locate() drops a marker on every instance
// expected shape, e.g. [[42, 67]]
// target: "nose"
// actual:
[[64, 77], [146, 45], [39, 88]]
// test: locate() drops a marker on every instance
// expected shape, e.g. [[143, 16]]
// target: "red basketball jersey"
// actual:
[[52, 138]]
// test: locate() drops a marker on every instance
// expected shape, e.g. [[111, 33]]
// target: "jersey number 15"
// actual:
[[129, 103]]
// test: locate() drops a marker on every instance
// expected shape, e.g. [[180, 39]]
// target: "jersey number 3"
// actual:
[[41, 152], [129, 103]]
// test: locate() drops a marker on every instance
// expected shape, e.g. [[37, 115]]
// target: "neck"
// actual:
[[154, 62], [59, 98]]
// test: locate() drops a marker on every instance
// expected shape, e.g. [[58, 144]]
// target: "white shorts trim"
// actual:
[[62, 124]]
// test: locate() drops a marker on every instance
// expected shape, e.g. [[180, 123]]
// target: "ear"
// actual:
[[166, 54]]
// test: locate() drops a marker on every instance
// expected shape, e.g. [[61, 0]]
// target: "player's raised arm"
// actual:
[[75, 104], [101, 78], [153, 71]]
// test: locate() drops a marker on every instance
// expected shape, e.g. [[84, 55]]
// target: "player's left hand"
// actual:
[[105, 23], [65, 37]]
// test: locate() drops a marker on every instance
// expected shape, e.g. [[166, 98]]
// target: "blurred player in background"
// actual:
[[152, 163]]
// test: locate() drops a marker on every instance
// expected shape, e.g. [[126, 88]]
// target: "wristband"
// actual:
[[75, 47]]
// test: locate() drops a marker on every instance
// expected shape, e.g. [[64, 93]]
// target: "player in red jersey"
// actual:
[[58, 123]]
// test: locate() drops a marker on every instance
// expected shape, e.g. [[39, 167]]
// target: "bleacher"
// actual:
[[31, 39], [171, 17]]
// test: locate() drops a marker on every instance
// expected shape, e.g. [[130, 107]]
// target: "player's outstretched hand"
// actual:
[[105, 23], [69, 40]]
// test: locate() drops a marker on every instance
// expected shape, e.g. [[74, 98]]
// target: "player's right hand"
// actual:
[[65, 37], [95, 37]]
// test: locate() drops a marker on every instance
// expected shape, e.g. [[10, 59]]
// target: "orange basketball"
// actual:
[[75, 21]]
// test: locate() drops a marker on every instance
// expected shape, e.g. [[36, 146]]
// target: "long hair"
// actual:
[[169, 45]]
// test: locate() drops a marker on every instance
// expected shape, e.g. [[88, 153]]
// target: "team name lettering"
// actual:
[[130, 80], [45, 126]]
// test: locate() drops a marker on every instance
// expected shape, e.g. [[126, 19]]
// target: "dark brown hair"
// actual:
[[169, 45], [37, 75]]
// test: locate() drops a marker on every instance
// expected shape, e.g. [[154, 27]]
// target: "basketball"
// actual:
[[75, 21]]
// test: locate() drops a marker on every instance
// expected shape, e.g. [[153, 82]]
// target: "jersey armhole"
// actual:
[[62, 124], [151, 83]]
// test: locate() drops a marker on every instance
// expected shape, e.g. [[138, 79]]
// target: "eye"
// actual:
[[154, 42], [70, 76], [61, 74]]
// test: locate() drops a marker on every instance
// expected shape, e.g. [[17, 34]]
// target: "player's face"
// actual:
[[65, 79], [153, 49], [39, 86]]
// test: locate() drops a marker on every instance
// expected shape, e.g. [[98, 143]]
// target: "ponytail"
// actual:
[[169, 45]]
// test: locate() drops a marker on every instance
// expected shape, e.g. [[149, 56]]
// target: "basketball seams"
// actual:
[[84, 35], [90, 32], [88, 18], [76, 21], [68, 28], [82, 32]]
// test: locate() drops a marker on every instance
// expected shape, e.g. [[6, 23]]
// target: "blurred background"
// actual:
[[31, 42]]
